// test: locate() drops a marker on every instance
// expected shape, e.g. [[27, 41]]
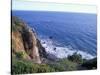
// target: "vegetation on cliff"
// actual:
[[24, 41], [28, 55]]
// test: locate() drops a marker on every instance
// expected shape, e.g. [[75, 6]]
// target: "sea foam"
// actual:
[[62, 52]]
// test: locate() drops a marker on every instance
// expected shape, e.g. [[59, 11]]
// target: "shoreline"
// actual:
[[63, 52]]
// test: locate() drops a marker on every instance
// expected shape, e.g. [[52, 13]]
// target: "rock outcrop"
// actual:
[[24, 40]]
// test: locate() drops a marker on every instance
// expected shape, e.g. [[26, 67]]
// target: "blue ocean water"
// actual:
[[77, 30]]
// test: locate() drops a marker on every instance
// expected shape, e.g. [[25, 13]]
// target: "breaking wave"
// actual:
[[62, 52]]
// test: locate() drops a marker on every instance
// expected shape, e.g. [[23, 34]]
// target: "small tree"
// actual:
[[20, 54], [75, 58]]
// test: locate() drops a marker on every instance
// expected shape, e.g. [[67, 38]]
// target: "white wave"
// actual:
[[62, 52]]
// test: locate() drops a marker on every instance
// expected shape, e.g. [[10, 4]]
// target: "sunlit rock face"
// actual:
[[24, 39]]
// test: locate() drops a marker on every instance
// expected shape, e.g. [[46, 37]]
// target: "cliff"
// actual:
[[25, 44], [27, 51]]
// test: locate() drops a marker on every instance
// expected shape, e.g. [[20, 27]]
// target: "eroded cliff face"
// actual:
[[24, 40]]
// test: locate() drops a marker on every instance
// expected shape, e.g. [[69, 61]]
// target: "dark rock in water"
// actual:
[[55, 49], [43, 42], [50, 37]]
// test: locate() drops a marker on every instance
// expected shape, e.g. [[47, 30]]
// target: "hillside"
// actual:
[[24, 41], [28, 55]]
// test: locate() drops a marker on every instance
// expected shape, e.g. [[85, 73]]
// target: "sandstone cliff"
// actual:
[[24, 40]]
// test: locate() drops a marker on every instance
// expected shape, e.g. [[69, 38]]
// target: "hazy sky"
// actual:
[[45, 6]]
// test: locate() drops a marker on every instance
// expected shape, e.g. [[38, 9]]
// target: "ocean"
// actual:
[[63, 33]]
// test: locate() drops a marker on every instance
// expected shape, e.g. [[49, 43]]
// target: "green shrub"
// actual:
[[17, 24], [25, 67], [75, 58], [64, 65], [21, 54], [45, 68], [69, 65], [58, 67], [90, 64]]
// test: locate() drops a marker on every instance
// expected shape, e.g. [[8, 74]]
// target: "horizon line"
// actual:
[[53, 11]]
